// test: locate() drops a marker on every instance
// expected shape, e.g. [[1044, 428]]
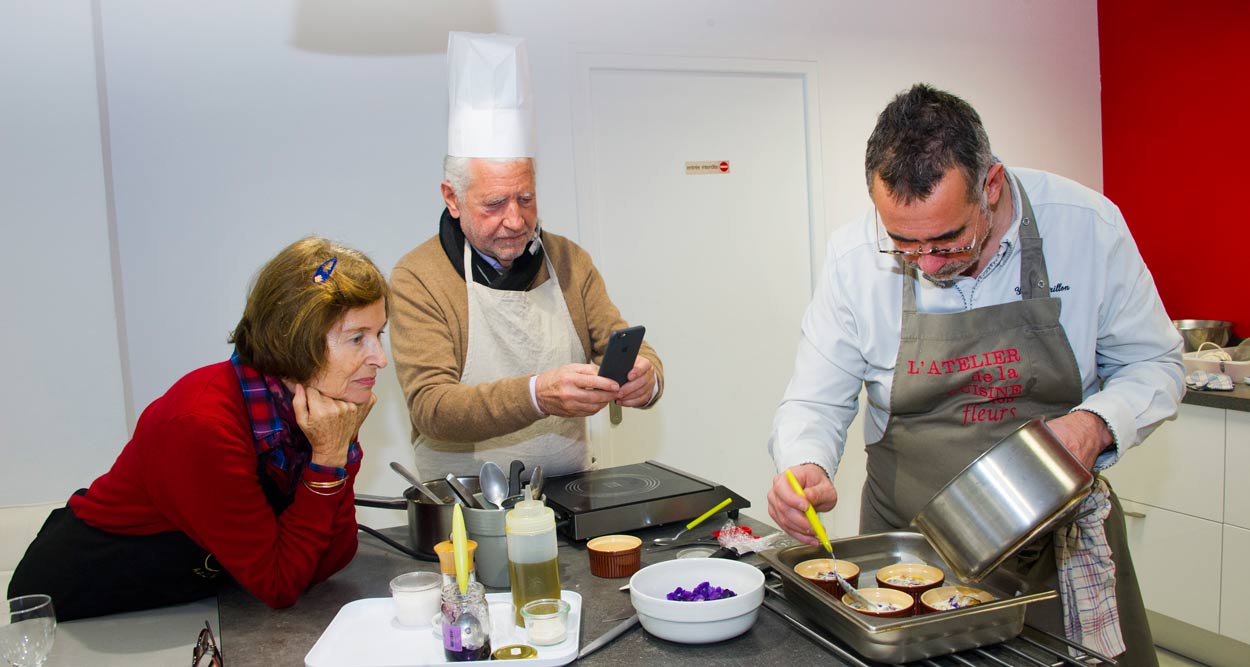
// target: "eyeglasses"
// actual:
[[206, 653], [889, 246]]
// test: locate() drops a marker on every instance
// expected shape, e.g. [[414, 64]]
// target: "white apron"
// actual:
[[513, 334]]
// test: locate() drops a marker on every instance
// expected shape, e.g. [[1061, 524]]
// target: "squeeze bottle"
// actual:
[[533, 564]]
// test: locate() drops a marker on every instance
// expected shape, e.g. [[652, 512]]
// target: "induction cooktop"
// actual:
[[630, 497]]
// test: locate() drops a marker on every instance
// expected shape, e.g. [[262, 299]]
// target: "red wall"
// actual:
[[1176, 153]]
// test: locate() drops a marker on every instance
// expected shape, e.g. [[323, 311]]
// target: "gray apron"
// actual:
[[964, 381]]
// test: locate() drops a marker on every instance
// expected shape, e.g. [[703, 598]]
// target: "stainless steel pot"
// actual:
[[428, 523], [1024, 485]]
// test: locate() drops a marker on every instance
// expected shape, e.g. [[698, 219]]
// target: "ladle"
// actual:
[[413, 480], [494, 483]]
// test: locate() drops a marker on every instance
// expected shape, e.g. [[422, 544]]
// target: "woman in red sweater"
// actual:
[[243, 468]]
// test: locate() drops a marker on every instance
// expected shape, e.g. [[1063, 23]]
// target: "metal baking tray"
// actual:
[[897, 640]]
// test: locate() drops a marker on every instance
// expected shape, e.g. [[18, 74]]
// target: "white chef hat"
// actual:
[[491, 111]]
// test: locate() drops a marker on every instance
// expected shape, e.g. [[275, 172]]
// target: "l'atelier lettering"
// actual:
[[963, 364]]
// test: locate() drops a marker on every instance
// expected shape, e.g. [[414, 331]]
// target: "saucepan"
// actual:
[[1024, 485], [428, 523]]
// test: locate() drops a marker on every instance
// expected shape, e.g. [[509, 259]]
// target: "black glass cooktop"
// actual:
[[621, 485]]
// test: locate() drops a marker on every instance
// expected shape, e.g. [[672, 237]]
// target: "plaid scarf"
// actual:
[[282, 449]]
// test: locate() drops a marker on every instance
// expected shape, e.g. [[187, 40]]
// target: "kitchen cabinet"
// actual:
[[1235, 601], [1237, 464], [1187, 509], [1178, 467], [1165, 546]]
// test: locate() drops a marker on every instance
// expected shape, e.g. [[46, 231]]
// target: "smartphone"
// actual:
[[622, 350]]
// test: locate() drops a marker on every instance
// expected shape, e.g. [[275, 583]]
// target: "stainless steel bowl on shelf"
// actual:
[[1024, 485], [1197, 332]]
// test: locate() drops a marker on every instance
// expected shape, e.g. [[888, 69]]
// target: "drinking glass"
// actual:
[[27, 631]]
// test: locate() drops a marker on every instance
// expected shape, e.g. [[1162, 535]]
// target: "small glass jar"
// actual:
[[466, 623], [546, 621], [417, 596]]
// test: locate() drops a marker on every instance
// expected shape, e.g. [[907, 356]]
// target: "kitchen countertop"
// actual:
[[252, 634], [1237, 399], [148, 638]]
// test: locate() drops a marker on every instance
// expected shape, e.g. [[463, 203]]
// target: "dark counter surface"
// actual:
[[253, 634], [1237, 399]]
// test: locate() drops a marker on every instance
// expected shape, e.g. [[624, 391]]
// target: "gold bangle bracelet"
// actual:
[[320, 493], [328, 485]]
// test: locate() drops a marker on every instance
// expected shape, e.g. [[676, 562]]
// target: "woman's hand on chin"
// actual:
[[329, 424]]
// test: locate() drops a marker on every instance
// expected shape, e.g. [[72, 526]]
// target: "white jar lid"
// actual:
[[530, 517], [413, 582]]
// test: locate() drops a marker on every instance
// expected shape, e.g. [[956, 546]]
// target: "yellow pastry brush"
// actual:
[[460, 547], [821, 535], [811, 514]]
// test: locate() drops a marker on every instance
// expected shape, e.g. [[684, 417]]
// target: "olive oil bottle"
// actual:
[[533, 563]]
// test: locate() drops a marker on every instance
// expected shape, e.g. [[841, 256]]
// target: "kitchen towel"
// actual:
[[1091, 616], [1204, 381]]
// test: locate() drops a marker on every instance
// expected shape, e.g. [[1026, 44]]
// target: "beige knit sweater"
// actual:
[[429, 323]]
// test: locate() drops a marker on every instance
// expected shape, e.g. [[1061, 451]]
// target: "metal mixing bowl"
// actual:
[[1197, 332], [1021, 487]]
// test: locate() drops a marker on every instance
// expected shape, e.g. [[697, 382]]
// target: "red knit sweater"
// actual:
[[191, 466]]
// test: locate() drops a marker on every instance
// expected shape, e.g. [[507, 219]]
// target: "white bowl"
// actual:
[[697, 622]]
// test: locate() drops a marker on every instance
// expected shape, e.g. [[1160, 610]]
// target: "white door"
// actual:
[[717, 266]]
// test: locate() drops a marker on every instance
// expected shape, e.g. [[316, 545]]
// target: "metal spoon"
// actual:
[[536, 482], [855, 595], [671, 540], [494, 483], [471, 631], [413, 480]]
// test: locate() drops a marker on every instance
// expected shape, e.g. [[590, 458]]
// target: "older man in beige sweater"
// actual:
[[499, 367]]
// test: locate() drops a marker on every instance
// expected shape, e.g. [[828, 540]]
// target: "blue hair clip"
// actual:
[[324, 271]]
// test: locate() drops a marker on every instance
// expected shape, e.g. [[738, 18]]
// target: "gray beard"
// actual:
[[949, 277]]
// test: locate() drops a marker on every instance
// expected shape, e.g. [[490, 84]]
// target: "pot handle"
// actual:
[[381, 502]]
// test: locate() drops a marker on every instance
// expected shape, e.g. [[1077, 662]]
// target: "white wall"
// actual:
[[237, 127], [62, 407]]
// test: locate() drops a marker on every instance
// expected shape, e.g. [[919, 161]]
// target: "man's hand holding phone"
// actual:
[[581, 390], [621, 362], [574, 390], [638, 391]]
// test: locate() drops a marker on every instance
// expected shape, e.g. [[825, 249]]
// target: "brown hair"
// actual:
[[288, 313]]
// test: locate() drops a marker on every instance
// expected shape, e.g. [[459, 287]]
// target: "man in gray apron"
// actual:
[[943, 305], [495, 323]]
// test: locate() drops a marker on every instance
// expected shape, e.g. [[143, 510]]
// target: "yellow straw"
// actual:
[[708, 513], [811, 514], [460, 548]]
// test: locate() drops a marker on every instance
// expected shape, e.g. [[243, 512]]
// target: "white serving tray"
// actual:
[[364, 634], [1237, 370]]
